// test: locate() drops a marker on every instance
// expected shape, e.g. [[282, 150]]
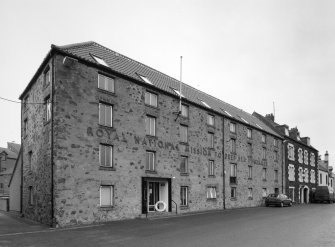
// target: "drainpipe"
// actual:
[[22, 152], [283, 167], [52, 139], [223, 166]]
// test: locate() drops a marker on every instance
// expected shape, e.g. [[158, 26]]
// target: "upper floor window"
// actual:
[[264, 153], [264, 174], [47, 76], [290, 151], [31, 196], [210, 119], [106, 83], [184, 164], [150, 161], [275, 142], [312, 159], [233, 173], [232, 127], [184, 110], [105, 114], [151, 99], [232, 145], [47, 109], [211, 139], [211, 168], [249, 149], [291, 172], [249, 172], [150, 125], [249, 133], [276, 176], [183, 133], [106, 155], [276, 155], [300, 156], [263, 138], [306, 157]]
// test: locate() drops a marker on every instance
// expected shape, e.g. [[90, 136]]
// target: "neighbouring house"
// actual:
[[117, 139], [15, 186], [300, 161], [325, 172]]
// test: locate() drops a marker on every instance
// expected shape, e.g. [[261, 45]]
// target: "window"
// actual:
[[47, 77], [275, 142], [211, 139], [300, 174], [105, 114], [306, 157], [184, 164], [249, 133], [249, 149], [264, 153], [183, 196], [276, 176], [146, 80], [150, 126], [306, 178], [320, 178], [276, 155], [263, 138], [290, 153], [210, 119], [150, 163], [312, 159], [233, 193], [30, 155], [291, 172], [291, 193], [183, 133], [211, 192], [106, 155], [211, 168], [31, 196], [184, 110], [264, 174], [232, 127], [100, 60], [106, 195], [313, 176], [249, 172], [25, 127], [264, 192], [233, 173], [250, 194], [233, 146], [151, 99], [276, 190], [47, 109], [300, 156], [106, 83]]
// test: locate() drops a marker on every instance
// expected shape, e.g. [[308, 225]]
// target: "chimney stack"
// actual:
[[327, 157], [270, 117]]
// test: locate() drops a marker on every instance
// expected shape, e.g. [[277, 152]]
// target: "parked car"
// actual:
[[278, 200], [324, 194]]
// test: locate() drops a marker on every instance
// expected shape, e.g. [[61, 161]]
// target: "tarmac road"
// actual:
[[302, 225]]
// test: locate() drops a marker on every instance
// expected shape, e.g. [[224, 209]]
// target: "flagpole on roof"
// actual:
[[180, 82]]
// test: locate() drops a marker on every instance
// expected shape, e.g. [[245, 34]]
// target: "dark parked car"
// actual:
[[278, 200], [324, 194]]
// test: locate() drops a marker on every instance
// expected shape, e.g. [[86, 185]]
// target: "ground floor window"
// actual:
[[31, 197], [184, 196], [211, 192], [106, 195], [291, 193], [264, 192], [233, 192], [250, 195]]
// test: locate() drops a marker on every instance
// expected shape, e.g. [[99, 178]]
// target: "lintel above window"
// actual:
[[99, 60]]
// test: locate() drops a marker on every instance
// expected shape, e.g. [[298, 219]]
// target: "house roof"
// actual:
[[18, 163], [14, 147], [132, 69], [10, 154], [322, 166], [273, 125]]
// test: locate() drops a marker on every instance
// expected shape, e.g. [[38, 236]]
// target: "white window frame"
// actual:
[[232, 127], [106, 83], [151, 99], [290, 151], [300, 156], [312, 159], [264, 174], [184, 196], [47, 108], [150, 156], [211, 139], [264, 192], [306, 157], [150, 125], [250, 193], [249, 133], [249, 172], [211, 192], [211, 168], [103, 150], [233, 145], [264, 153], [210, 119], [111, 187], [233, 192], [184, 133], [184, 158], [103, 109], [184, 110], [263, 138], [291, 172]]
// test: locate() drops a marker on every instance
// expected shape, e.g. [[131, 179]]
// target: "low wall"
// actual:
[[4, 203]]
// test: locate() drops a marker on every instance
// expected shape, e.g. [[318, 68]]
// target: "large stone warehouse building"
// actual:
[[105, 137]]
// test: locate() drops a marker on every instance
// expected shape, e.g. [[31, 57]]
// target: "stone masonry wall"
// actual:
[[78, 135], [243, 161], [36, 140]]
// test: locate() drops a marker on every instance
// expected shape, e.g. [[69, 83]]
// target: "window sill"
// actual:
[[150, 172], [151, 136], [211, 176], [233, 199], [100, 90], [184, 174], [107, 168], [106, 208], [211, 199], [106, 126]]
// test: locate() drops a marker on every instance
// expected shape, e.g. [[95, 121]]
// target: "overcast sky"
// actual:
[[246, 53]]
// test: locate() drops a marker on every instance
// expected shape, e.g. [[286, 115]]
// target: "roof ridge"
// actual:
[[74, 45]]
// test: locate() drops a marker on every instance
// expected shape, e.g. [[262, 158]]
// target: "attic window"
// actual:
[[178, 93], [205, 104], [259, 126], [100, 60], [145, 79], [244, 120], [228, 113]]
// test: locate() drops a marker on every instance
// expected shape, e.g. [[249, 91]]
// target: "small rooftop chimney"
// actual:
[[306, 140], [327, 157], [270, 117]]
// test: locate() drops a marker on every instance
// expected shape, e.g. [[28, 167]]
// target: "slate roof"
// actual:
[[132, 69], [322, 166], [10, 154], [14, 147]]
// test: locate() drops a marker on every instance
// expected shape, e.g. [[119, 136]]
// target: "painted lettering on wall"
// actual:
[[240, 158]]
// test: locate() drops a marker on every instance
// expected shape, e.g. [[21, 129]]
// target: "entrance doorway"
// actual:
[[156, 195], [304, 194]]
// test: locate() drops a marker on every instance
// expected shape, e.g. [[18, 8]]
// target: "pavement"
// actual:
[[310, 225]]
